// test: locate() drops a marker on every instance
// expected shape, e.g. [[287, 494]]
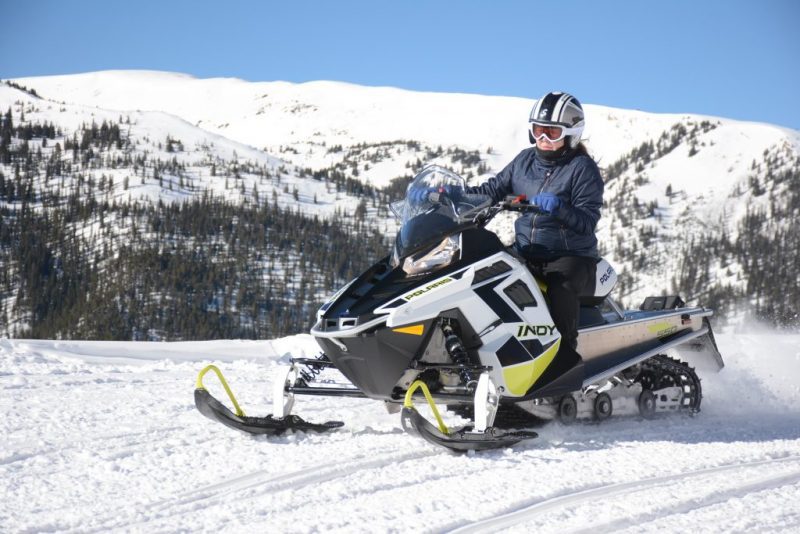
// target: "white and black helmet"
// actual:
[[557, 109]]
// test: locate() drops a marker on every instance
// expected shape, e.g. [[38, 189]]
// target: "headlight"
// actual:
[[441, 255]]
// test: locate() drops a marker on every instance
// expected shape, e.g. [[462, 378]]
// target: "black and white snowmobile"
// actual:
[[456, 318]]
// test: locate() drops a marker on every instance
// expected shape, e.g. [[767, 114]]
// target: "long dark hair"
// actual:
[[564, 153], [581, 150]]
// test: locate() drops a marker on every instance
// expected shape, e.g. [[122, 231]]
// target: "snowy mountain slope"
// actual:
[[196, 149], [304, 123], [272, 115], [678, 185], [104, 436]]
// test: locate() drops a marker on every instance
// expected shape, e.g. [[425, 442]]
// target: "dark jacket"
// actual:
[[576, 180]]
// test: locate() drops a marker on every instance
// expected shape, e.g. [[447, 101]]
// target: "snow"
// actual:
[[271, 115], [104, 436]]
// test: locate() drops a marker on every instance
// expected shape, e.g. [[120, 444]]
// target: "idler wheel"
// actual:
[[647, 404], [567, 409], [603, 407]]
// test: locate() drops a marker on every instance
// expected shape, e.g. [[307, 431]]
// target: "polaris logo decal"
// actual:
[[606, 275], [526, 330], [429, 287]]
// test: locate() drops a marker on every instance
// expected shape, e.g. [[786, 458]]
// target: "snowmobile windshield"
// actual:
[[436, 204]]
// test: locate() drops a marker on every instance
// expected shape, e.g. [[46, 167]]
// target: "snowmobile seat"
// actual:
[[595, 294], [590, 301], [605, 279], [590, 316]]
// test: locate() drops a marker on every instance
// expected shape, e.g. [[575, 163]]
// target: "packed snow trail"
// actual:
[[600, 495], [103, 436]]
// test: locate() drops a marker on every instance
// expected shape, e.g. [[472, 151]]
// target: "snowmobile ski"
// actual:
[[463, 439], [213, 409], [475, 437]]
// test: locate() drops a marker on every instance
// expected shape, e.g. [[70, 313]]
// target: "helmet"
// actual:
[[560, 110]]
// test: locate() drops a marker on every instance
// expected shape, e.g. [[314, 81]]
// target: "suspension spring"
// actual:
[[455, 348], [313, 370]]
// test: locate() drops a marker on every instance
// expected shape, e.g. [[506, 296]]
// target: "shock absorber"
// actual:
[[455, 348], [313, 369]]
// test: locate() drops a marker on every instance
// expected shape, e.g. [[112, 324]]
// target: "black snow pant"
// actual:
[[567, 278]]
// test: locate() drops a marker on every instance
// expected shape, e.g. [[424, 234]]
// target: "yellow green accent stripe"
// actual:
[[214, 368], [657, 327], [542, 284], [662, 329], [519, 378], [409, 403]]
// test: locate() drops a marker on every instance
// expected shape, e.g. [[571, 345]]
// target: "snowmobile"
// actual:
[[455, 318]]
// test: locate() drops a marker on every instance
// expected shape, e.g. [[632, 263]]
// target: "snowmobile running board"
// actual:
[[269, 425], [459, 440]]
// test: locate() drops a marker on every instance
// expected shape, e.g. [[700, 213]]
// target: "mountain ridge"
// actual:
[[672, 180]]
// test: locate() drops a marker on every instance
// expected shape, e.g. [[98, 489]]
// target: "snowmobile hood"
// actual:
[[383, 285]]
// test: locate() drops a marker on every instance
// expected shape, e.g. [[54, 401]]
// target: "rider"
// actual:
[[560, 177]]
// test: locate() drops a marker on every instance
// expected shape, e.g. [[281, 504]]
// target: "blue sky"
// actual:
[[735, 59]]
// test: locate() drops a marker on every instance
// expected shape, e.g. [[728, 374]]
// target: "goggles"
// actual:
[[551, 132]]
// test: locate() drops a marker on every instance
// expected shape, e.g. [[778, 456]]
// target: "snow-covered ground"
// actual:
[[102, 436]]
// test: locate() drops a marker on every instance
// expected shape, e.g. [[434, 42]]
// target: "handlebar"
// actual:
[[519, 204]]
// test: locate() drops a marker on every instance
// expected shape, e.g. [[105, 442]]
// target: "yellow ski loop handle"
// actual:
[[409, 403], [214, 368]]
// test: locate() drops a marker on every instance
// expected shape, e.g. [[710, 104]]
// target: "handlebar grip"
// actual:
[[515, 206]]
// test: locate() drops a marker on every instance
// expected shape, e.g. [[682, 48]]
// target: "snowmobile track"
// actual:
[[527, 513]]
